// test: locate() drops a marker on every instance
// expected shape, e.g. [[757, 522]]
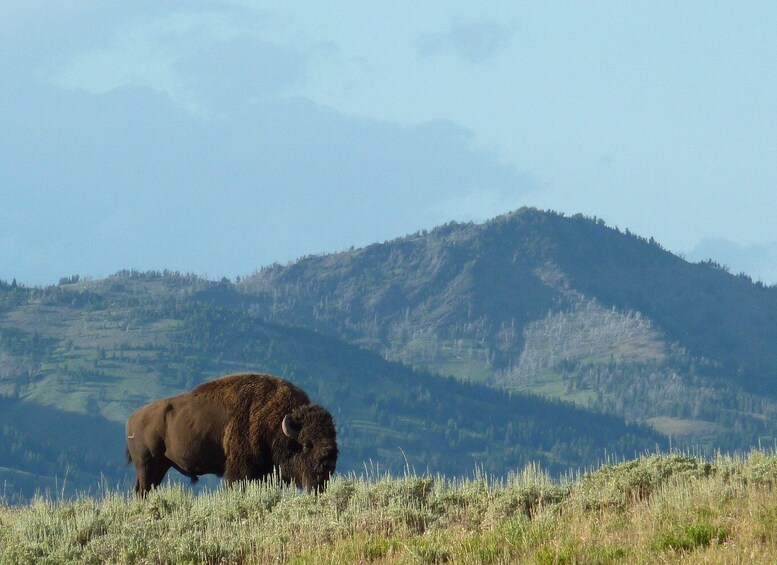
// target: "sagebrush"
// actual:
[[658, 508]]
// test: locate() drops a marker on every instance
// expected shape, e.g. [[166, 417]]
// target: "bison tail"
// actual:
[[127, 456]]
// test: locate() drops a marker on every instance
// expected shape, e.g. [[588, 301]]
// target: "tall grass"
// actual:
[[656, 509]]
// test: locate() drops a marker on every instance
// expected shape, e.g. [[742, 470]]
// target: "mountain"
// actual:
[[531, 337], [78, 357], [564, 307]]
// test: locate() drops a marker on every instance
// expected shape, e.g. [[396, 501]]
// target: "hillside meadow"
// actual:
[[668, 508]]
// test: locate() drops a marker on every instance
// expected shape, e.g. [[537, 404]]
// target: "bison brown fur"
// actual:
[[241, 427]]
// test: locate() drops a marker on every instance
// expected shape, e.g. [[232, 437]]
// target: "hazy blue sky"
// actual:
[[217, 137]]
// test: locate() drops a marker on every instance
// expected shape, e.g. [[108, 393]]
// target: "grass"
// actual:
[[657, 509]]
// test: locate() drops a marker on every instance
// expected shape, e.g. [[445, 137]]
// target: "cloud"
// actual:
[[206, 61], [169, 139], [231, 73], [38, 37], [474, 42], [94, 183]]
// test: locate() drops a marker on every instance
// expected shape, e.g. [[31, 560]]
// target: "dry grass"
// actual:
[[657, 509]]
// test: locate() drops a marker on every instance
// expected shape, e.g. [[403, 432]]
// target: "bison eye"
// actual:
[[307, 446]]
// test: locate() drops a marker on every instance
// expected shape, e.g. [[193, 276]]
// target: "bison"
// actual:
[[240, 427]]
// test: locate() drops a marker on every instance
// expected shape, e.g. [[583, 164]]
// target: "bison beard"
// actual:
[[241, 427]]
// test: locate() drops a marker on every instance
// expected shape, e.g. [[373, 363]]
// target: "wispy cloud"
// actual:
[[130, 172], [474, 41], [174, 140], [207, 61]]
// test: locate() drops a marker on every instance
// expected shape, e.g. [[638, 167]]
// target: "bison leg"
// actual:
[[150, 474]]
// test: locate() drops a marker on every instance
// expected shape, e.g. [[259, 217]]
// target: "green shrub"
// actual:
[[633, 481], [686, 537]]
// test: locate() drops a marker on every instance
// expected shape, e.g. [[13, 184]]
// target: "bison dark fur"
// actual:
[[241, 427]]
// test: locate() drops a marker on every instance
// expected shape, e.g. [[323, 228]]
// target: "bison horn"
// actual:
[[290, 427]]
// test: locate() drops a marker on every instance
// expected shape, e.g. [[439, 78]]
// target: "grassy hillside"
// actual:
[[563, 307], [81, 356], [657, 509]]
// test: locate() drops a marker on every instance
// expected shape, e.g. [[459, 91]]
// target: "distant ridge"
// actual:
[[560, 306]]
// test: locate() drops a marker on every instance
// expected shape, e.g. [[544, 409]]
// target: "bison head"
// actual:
[[313, 449]]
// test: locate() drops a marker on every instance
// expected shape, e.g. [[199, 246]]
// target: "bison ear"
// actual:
[[290, 427]]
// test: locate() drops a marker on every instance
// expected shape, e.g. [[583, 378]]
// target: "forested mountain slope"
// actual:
[[561, 306], [525, 310], [79, 357]]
